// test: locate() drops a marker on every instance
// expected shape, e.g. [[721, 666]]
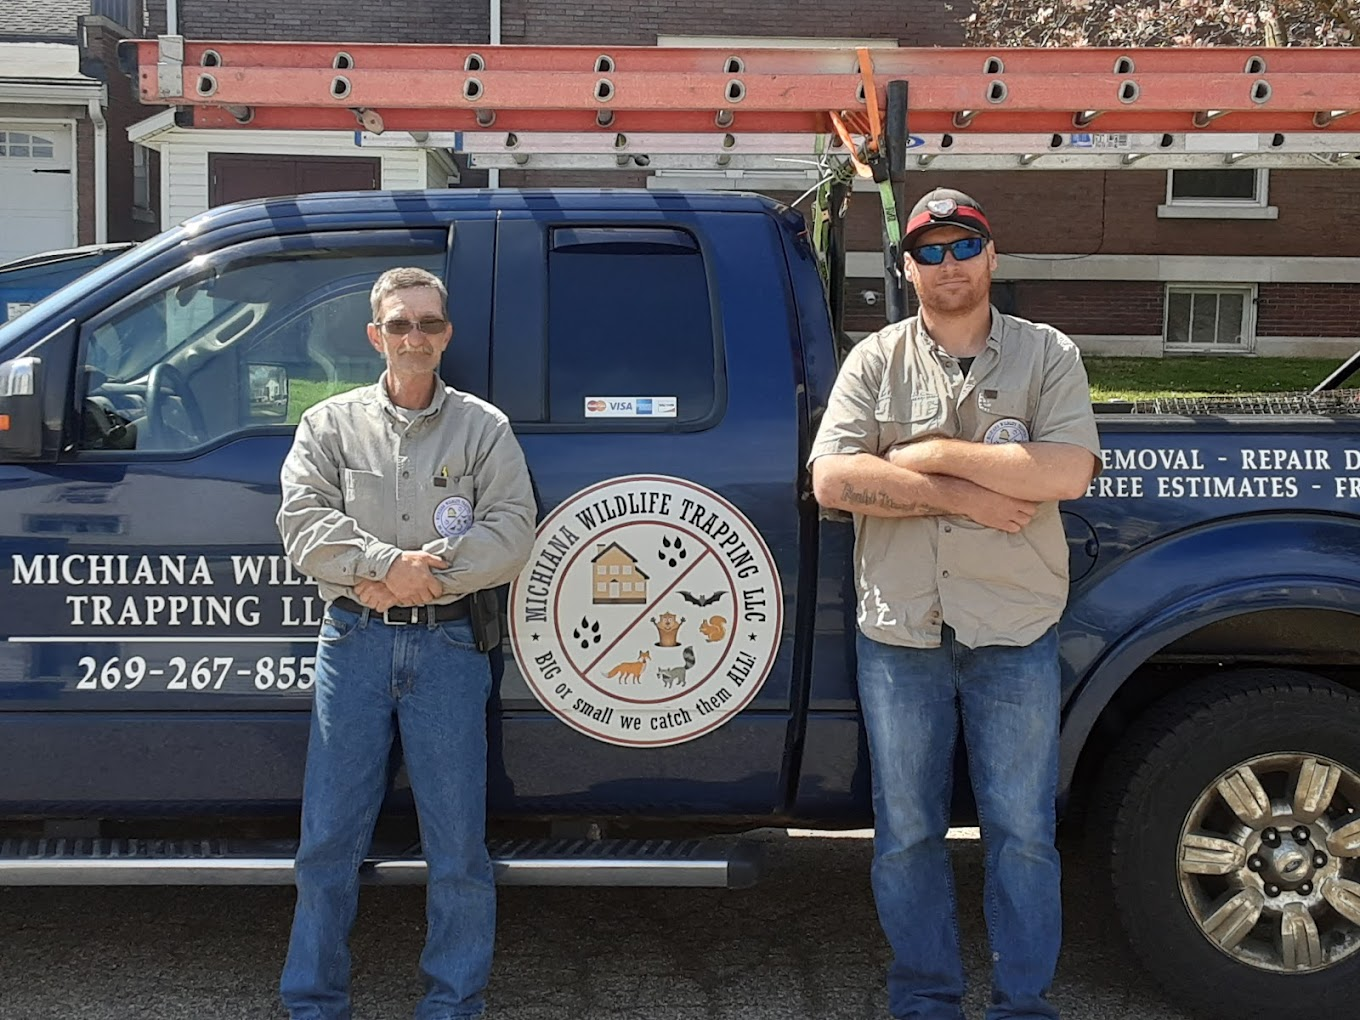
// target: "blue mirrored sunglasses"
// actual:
[[963, 249]]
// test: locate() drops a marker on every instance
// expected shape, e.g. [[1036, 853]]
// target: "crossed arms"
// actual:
[[997, 485]]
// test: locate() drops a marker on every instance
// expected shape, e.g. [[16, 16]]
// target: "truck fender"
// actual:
[[1294, 561]]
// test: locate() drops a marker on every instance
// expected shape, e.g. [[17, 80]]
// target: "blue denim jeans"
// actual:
[[431, 683], [1008, 701]]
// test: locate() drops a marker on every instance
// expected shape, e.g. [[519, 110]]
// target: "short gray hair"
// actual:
[[406, 278]]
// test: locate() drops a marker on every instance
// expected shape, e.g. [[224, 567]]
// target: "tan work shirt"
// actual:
[[916, 573], [365, 482]]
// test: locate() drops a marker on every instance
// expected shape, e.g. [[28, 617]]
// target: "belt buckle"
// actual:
[[413, 610]]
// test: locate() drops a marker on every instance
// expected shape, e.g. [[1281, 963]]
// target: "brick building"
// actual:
[[1132, 261], [68, 173]]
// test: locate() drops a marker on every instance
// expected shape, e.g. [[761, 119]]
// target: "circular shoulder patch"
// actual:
[[649, 613], [453, 516], [1008, 430]]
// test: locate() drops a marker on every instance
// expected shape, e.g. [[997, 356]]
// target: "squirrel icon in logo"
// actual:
[[667, 628], [676, 674], [714, 628]]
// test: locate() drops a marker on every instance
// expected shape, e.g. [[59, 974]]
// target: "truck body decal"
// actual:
[[649, 613]]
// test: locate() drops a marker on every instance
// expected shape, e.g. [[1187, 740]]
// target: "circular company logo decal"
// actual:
[[649, 612], [453, 516], [1007, 430]]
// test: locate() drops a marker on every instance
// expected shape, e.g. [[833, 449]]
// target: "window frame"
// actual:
[[1257, 207], [1248, 292]]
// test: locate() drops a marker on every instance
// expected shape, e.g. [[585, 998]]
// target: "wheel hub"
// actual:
[[1288, 861]]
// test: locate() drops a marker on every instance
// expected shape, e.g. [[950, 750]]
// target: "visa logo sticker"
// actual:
[[631, 407]]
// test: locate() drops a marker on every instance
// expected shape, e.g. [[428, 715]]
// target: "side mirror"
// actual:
[[21, 409], [268, 385]]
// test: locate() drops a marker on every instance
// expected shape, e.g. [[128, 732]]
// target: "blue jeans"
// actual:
[[432, 683], [1008, 699]]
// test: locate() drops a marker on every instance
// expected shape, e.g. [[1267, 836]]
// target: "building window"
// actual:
[[1209, 318], [1225, 193], [614, 569], [127, 13], [141, 178], [18, 145]]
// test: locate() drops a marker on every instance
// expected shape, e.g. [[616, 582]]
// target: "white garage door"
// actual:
[[36, 195]]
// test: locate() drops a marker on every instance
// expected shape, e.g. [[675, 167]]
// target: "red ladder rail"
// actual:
[[574, 89]]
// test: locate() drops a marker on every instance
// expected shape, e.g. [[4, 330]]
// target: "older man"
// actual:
[[401, 499], [951, 437]]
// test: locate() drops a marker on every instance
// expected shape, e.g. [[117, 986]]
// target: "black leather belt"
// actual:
[[400, 616]]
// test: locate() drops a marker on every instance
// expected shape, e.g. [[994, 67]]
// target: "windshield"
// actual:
[[11, 331]]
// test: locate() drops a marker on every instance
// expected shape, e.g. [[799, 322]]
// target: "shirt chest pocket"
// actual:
[[1004, 416], [907, 416], [366, 498], [452, 506]]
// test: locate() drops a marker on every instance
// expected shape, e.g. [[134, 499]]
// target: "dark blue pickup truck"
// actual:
[[679, 662]]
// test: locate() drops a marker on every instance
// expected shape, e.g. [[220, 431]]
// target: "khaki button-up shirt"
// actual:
[[362, 484], [916, 573]]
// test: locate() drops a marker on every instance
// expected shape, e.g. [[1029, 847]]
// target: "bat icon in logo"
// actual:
[[702, 600]]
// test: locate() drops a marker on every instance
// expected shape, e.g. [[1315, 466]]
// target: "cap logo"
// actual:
[[941, 207]]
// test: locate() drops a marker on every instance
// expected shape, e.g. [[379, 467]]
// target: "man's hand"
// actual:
[[375, 595], [917, 456], [1004, 513], [410, 581]]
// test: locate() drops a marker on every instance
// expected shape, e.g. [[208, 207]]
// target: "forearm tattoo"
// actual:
[[864, 497]]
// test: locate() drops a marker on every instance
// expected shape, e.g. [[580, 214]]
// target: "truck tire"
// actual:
[[1233, 814]]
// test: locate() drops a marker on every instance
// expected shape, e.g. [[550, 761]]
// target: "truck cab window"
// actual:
[[631, 332], [238, 344]]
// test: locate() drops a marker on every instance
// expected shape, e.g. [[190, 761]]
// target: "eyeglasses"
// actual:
[[963, 249], [402, 327]]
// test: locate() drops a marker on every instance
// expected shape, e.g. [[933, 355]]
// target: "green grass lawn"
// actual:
[[1111, 378], [303, 393], [1150, 378]]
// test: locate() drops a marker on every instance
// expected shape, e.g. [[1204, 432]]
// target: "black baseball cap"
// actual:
[[945, 207]]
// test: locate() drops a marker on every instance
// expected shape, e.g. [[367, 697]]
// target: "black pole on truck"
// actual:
[[837, 201], [896, 140]]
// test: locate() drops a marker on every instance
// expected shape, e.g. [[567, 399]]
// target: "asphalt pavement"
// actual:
[[804, 944]]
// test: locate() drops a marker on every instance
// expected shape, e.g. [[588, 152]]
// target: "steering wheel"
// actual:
[[164, 385]]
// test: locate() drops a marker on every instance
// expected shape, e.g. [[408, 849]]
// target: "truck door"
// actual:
[[157, 649], [645, 361]]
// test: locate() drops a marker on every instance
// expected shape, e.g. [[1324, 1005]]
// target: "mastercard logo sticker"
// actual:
[[594, 405]]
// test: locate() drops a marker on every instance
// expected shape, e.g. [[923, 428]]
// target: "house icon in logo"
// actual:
[[617, 579]]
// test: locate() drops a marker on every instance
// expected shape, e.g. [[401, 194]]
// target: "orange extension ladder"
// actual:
[[843, 110]]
